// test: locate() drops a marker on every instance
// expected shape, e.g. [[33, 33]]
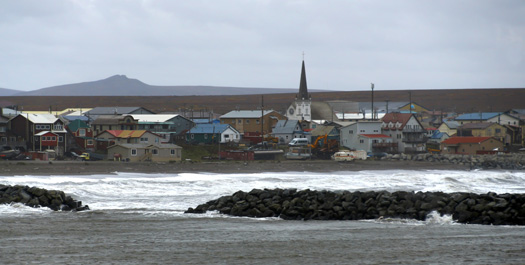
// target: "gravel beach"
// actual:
[[14, 168]]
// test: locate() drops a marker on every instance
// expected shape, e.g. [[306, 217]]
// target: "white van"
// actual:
[[298, 142]]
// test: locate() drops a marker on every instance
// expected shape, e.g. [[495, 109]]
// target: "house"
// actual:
[[250, 120], [366, 135], [470, 145], [111, 137], [83, 134], [166, 125], [114, 122], [286, 130], [145, 152], [212, 133], [434, 141], [405, 130], [449, 127], [46, 140], [25, 127], [331, 131], [484, 129]]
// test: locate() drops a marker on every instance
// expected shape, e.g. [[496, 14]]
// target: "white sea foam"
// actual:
[[174, 193]]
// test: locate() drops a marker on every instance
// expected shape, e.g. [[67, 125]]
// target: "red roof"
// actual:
[[465, 140], [375, 135]]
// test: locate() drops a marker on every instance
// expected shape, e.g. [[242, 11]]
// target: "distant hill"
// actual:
[[121, 85], [4, 92]]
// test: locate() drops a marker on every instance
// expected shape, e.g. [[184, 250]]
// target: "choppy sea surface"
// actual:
[[139, 219]]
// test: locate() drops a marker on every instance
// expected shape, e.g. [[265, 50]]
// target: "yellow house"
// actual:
[[449, 127], [483, 129]]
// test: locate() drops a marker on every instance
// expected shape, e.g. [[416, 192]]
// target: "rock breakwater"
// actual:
[[496, 161], [291, 204], [37, 197]]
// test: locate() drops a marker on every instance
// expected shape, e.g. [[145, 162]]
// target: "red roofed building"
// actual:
[[405, 130], [470, 145]]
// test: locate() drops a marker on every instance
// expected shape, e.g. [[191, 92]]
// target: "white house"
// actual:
[[405, 130], [365, 135]]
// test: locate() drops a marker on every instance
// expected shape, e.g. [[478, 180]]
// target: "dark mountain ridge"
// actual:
[[121, 85]]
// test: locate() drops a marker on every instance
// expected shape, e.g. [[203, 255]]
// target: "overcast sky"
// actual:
[[260, 43]]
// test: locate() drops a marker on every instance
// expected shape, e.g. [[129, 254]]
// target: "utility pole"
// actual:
[[262, 119], [372, 101], [410, 101]]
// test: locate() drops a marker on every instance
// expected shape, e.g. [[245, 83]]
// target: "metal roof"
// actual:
[[210, 128], [478, 116], [285, 126], [245, 114], [154, 117]]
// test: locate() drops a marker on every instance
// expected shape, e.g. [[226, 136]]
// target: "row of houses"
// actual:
[[140, 133]]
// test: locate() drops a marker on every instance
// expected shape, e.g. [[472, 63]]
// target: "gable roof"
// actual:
[[40, 118], [395, 117], [466, 140], [210, 128], [245, 114], [143, 118], [285, 126], [77, 124], [438, 135], [452, 124], [126, 133], [477, 116], [322, 130], [117, 111]]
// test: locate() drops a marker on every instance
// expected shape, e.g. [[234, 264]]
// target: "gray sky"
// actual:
[[259, 43]]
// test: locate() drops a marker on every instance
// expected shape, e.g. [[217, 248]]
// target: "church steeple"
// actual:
[[303, 90]]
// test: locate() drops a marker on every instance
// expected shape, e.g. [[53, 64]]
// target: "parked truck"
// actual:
[[87, 156]]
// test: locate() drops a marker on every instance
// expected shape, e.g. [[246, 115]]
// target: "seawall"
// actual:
[[291, 204]]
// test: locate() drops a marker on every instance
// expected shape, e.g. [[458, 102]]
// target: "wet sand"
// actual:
[[14, 168]]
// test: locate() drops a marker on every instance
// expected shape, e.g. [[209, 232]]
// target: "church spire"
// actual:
[[303, 90]]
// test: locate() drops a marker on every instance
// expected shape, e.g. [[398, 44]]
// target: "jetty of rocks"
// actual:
[[37, 197], [291, 204], [512, 161]]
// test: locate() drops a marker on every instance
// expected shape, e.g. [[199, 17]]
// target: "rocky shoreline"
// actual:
[[37, 197], [291, 204], [515, 161]]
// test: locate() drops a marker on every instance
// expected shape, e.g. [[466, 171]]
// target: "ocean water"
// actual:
[[139, 219]]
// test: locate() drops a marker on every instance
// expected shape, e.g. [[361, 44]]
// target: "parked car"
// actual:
[[376, 155], [298, 142]]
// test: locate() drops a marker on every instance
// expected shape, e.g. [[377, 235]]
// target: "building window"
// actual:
[[155, 151], [133, 152], [60, 138], [362, 131], [82, 132], [362, 141], [257, 121], [239, 121], [89, 142], [351, 132], [247, 121], [205, 136], [172, 152], [192, 136], [53, 138]]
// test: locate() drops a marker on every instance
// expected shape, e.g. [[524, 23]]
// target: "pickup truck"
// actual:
[[90, 157]]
